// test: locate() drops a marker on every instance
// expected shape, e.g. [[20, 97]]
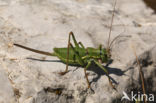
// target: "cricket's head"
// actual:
[[108, 53], [105, 55]]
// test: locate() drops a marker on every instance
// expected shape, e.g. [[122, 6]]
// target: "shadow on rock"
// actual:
[[100, 72], [94, 68]]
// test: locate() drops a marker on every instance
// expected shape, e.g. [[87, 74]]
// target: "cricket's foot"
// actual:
[[89, 86], [113, 86], [62, 73]]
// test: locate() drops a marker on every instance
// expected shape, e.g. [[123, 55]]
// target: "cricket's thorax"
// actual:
[[89, 53]]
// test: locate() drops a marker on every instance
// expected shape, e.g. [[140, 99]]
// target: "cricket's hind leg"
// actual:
[[81, 45], [86, 75], [70, 45]]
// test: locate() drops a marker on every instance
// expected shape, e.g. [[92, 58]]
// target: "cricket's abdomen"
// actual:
[[61, 53]]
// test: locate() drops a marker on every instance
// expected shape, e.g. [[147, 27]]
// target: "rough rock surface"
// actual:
[[27, 77]]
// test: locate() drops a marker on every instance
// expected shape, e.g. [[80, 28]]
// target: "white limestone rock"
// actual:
[[44, 25]]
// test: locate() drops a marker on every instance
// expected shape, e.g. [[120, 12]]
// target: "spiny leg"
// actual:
[[81, 45], [77, 55], [69, 44], [77, 47], [73, 37], [86, 57], [82, 63], [66, 70], [86, 75], [107, 74], [75, 42]]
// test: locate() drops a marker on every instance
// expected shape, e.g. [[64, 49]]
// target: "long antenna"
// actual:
[[111, 24], [116, 38]]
